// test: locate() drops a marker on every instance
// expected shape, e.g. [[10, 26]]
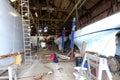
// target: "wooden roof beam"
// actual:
[[47, 19], [53, 9], [76, 5]]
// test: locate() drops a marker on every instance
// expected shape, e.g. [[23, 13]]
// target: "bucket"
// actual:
[[78, 60]]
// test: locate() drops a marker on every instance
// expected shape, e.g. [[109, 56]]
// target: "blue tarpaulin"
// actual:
[[72, 34]]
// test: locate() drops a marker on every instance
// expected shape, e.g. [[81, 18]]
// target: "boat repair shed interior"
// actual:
[[60, 40]]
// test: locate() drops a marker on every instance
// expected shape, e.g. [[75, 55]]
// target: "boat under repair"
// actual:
[[100, 36]]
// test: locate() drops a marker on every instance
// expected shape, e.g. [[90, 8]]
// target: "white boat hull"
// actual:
[[100, 36], [58, 41]]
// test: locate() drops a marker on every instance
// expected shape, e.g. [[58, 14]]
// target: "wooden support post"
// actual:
[[82, 51], [83, 48]]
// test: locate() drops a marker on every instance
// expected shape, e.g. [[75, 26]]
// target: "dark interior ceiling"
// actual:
[[56, 14]]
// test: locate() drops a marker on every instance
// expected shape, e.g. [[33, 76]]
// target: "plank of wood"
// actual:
[[62, 56], [9, 55]]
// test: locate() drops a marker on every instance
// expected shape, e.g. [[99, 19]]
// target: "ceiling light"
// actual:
[[46, 27], [13, 14], [40, 30], [29, 34], [22, 4], [26, 14], [32, 26], [12, 0], [45, 30], [29, 30]]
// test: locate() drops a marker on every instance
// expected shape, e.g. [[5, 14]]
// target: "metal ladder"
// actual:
[[25, 12]]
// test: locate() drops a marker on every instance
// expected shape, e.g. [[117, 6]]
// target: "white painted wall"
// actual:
[[34, 40], [11, 32]]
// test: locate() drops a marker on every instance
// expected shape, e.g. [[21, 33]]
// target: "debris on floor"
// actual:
[[45, 69], [45, 58], [39, 77]]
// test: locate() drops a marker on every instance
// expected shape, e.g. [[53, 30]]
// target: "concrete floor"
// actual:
[[46, 71], [49, 71]]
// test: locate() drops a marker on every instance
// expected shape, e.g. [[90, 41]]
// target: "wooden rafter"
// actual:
[[53, 20], [78, 2], [59, 7], [54, 9]]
